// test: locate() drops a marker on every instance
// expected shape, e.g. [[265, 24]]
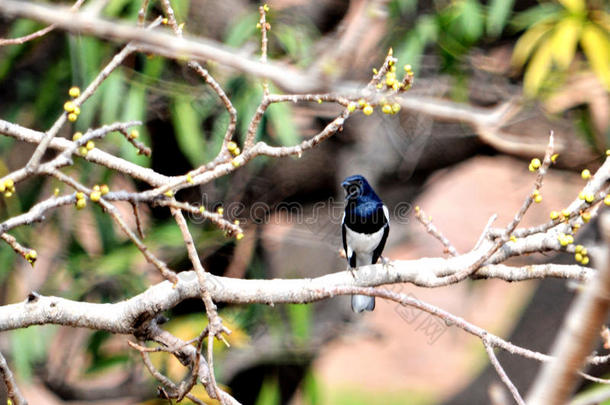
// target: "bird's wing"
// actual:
[[384, 238]]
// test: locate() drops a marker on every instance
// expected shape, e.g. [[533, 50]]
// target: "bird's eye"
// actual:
[[353, 190]]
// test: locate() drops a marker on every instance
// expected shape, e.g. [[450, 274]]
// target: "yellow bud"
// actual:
[[586, 216], [351, 107], [395, 108], [72, 117], [56, 192], [266, 8], [578, 257], [379, 85], [367, 110], [578, 248], [164, 21], [607, 152], [8, 194], [584, 251], [565, 213], [220, 210], [236, 151], [554, 215], [9, 183], [231, 146], [236, 222], [569, 239], [607, 199], [585, 174], [538, 198], [531, 168], [95, 196], [361, 102], [69, 106], [134, 134], [375, 71], [239, 236], [408, 68], [189, 178], [235, 162], [535, 163], [585, 260], [386, 109], [80, 195], [96, 187], [90, 145], [83, 151], [554, 157], [319, 101], [581, 195], [589, 197], [562, 240], [202, 209], [169, 193], [513, 238], [104, 189], [74, 92], [77, 136], [81, 203]]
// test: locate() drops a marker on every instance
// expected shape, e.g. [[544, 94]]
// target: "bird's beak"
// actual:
[[345, 184]]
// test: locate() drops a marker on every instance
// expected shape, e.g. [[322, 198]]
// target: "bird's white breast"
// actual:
[[363, 244]]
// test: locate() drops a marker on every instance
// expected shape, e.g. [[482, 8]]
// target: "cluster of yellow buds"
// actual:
[[580, 254], [565, 239], [537, 196], [388, 108], [588, 197], [233, 148], [31, 256], [535, 164], [367, 108], [8, 188], [98, 191], [81, 202], [83, 150], [70, 106], [391, 82], [235, 151]]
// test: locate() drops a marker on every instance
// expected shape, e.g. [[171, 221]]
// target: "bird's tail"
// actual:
[[362, 303]]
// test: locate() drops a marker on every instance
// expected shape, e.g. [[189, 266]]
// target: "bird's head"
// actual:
[[355, 186]]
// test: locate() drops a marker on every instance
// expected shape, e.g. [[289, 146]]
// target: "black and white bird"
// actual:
[[365, 226]]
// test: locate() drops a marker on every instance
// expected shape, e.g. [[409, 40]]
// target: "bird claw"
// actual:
[[385, 261]]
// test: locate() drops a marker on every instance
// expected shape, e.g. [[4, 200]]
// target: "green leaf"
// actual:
[[544, 12], [413, 47], [243, 30], [311, 389], [10, 53], [187, 125], [29, 346], [112, 103], [471, 20], [596, 44], [269, 393], [300, 317], [284, 129], [497, 16]]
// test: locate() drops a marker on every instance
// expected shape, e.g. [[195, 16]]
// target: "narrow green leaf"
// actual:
[[300, 317], [497, 16], [189, 135], [284, 129]]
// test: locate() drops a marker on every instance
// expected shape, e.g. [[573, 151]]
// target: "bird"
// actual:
[[365, 227]]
